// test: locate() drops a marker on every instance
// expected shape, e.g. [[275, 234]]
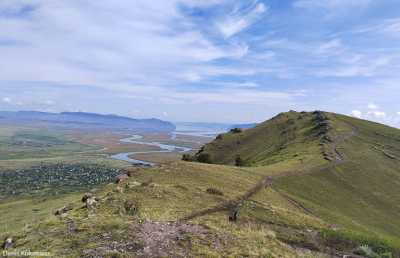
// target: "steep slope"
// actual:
[[361, 189], [354, 179], [285, 137]]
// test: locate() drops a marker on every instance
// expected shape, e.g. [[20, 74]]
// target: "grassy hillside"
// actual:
[[310, 185], [171, 211], [285, 137], [362, 191], [354, 178]]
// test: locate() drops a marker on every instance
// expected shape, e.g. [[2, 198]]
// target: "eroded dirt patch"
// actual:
[[169, 239]]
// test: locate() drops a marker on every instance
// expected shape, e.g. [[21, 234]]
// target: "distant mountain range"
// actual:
[[82, 120], [210, 127]]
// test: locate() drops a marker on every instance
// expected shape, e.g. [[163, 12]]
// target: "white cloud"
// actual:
[[377, 114], [387, 27], [103, 43], [6, 100], [362, 66], [239, 20], [372, 106], [356, 113], [330, 48], [49, 102]]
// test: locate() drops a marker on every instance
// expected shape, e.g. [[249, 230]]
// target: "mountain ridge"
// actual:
[[87, 120], [343, 162]]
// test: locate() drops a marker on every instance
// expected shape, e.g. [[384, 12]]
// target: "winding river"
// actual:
[[136, 139]]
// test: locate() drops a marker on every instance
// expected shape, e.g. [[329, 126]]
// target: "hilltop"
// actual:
[[303, 184], [347, 168]]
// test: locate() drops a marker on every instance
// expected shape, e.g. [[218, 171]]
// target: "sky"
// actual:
[[196, 60]]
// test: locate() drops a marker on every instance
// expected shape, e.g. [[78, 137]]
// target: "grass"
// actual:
[[314, 208], [284, 138], [361, 193], [175, 190], [21, 143]]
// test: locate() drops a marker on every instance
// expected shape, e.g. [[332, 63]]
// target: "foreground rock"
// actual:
[[121, 178], [8, 243], [63, 210], [90, 201]]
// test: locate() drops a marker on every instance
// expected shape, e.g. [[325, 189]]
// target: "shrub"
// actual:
[[236, 130], [187, 157], [366, 251], [344, 240], [239, 161], [204, 158]]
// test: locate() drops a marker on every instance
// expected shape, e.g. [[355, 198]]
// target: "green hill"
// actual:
[[349, 168], [288, 136], [308, 185]]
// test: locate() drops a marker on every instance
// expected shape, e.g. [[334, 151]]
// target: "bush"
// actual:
[[366, 251], [187, 157], [239, 161], [236, 130], [204, 158], [345, 240]]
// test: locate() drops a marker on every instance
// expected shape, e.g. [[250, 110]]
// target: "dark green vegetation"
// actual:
[[54, 179], [299, 185]]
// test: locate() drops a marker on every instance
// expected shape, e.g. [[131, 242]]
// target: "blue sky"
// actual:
[[199, 60]]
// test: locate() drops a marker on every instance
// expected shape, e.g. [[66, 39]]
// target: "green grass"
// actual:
[[362, 193], [286, 137], [314, 207], [175, 191], [22, 143]]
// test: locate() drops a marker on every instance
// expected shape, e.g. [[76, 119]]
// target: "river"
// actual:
[[136, 139]]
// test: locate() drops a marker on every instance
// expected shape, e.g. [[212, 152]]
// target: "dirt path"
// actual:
[[232, 204], [268, 182], [339, 156]]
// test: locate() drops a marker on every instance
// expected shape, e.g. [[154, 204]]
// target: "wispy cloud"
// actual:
[[196, 59], [240, 18], [146, 43], [388, 27]]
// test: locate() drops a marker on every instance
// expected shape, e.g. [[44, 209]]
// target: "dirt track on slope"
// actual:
[[268, 182]]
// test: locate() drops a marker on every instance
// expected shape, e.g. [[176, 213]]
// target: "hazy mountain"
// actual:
[[81, 120]]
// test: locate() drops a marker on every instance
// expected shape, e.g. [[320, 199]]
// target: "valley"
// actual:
[[303, 184]]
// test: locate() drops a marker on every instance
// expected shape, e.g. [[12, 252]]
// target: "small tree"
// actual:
[[204, 158], [187, 157], [236, 130], [239, 161]]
